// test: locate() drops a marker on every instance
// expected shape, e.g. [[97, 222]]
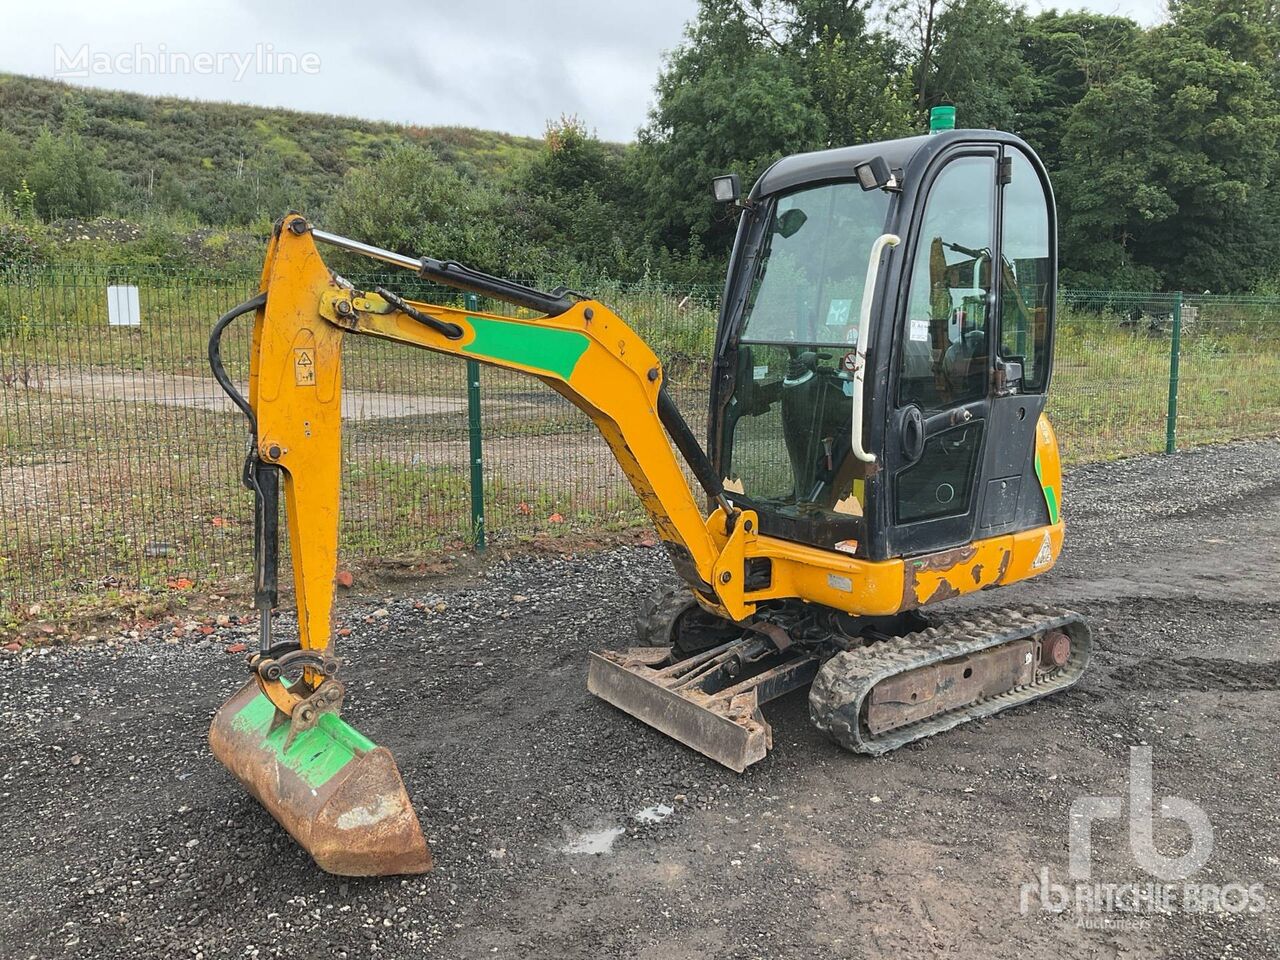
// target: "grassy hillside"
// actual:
[[177, 154]]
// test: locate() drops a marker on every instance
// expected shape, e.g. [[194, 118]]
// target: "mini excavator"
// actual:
[[877, 444]]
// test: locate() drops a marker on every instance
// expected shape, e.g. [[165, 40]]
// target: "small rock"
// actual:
[[345, 578], [236, 648], [381, 612]]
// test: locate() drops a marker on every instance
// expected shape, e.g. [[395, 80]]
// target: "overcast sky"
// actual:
[[493, 64]]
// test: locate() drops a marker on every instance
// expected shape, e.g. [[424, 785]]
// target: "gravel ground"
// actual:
[[121, 837]]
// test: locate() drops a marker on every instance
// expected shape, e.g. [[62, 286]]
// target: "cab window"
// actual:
[[944, 356], [808, 285], [1026, 297]]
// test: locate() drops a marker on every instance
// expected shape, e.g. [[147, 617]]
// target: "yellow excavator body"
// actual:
[[786, 609]]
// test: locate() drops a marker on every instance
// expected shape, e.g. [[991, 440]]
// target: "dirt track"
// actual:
[[121, 837]]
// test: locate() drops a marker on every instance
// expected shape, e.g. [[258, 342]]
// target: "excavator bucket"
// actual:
[[336, 792]]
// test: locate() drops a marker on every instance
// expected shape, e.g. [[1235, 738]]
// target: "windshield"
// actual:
[[813, 265]]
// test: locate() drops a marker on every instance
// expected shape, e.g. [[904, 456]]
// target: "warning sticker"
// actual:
[[304, 366], [919, 330], [1045, 556]]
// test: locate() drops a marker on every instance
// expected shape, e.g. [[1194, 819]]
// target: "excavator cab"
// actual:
[[946, 345]]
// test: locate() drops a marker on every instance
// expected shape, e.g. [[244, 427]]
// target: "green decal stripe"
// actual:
[[1050, 494], [316, 755], [544, 348], [1051, 498]]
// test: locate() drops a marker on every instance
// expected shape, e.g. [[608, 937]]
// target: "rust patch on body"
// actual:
[[943, 591], [941, 562], [951, 573], [1004, 567], [944, 559]]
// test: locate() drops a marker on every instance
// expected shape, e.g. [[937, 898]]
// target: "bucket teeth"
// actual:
[[336, 792]]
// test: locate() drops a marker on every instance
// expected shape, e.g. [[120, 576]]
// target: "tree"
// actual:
[[13, 162], [1069, 54], [68, 176], [720, 114], [574, 210], [1215, 152], [918, 21], [862, 96], [410, 202], [1108, 193], [977, 65]]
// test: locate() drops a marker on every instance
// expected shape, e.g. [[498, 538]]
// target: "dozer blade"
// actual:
[[336, 792], [694, 702]]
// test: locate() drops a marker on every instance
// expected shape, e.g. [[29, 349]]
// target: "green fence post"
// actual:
[[477, 448], [1175, 351]]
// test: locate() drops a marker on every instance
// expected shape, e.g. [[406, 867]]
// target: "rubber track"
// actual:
[[841, 687]]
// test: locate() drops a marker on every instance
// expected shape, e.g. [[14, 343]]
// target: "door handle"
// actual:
[[912, 434]]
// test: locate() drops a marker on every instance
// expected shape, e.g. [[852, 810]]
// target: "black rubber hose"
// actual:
[[450, 330], [215, 356]]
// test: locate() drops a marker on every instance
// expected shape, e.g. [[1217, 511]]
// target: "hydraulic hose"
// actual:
[[215, 356]]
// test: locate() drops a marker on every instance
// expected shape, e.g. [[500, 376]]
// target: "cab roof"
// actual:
[[824, 166]]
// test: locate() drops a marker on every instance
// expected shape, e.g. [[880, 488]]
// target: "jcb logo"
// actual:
[[1086, 810]]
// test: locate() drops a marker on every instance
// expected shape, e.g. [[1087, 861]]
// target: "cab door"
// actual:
[[939, 411], [1011, 496]]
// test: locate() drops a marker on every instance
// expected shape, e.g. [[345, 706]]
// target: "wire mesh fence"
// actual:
[[120, 457]]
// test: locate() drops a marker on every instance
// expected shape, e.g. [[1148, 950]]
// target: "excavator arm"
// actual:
[[359, 820]]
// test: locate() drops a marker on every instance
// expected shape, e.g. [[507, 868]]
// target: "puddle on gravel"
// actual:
[[601, 841], [594, 841], [655, 814]]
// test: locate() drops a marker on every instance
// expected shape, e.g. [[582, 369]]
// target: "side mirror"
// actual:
[[726, 189], [789, 222]]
